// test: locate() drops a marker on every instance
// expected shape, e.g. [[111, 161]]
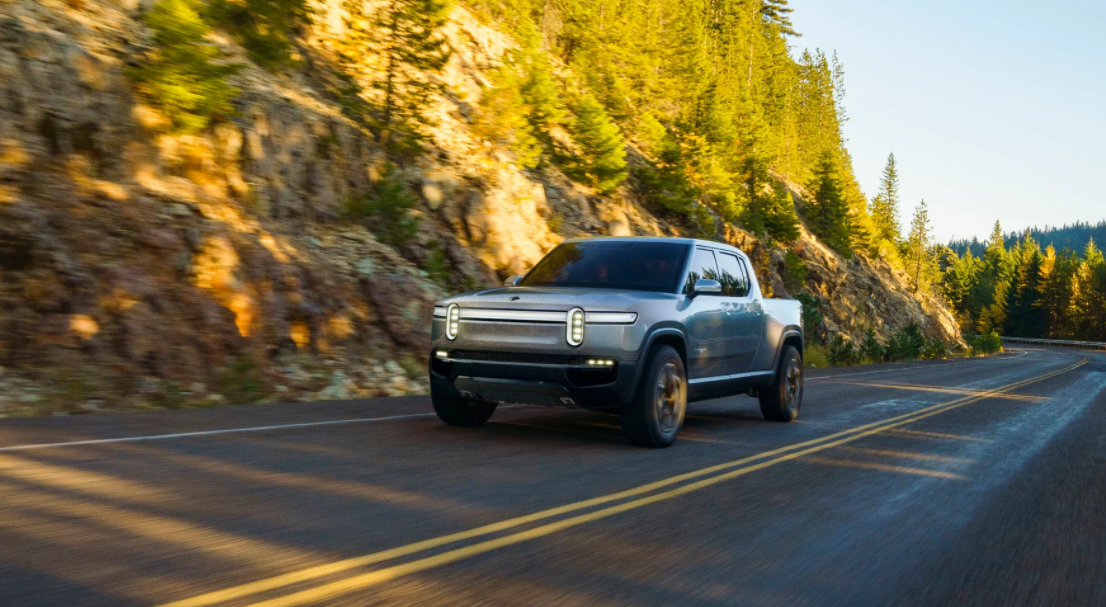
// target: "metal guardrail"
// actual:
[[1087, 345]]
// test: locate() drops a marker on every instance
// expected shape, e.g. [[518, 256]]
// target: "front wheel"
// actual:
[[460, 412], [781, 402], [655, 416]]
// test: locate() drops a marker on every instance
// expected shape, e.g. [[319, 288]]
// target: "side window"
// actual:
[[702, 266], [734, 279], [745, 273]]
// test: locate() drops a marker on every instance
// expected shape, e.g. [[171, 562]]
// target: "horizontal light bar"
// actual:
[[441, 354], [600, 362], [611, 318], [513, 315], [592, 318]]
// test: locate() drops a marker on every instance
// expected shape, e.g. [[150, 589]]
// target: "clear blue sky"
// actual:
[[994, 109]]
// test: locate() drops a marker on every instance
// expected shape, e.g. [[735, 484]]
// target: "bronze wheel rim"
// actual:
[[670, 399], [793, 387]]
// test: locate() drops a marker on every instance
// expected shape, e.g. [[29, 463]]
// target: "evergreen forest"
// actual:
[[1026, 289]]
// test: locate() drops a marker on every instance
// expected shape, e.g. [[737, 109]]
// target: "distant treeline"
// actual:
[[1026, 290], [1075, 237]]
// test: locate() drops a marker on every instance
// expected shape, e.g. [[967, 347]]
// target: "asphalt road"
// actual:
[[950, 482]]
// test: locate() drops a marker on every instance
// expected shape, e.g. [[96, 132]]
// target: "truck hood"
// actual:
[[556, 299]]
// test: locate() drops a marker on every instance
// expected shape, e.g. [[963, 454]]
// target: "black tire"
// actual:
[[460, 412], [655, 416], [781, 402]]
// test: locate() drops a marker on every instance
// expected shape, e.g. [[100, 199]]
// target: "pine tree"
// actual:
[[1024, 318], [411, 46], [828, 216], [885, 206], [917, 252], [504, 116], [265, 28], [602, 158], [1089, 300], [996, 283], [772, 212], [1057, 272], [651, 136], [781, 220], [183, 76], [542, 94], [961, 273], [776, 12]]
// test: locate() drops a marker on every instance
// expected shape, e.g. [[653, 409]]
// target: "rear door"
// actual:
[[744, 315]]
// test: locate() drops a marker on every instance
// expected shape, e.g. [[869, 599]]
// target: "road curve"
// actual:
[[968, 481]]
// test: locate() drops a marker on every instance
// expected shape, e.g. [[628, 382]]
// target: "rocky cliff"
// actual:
[[139, 267]]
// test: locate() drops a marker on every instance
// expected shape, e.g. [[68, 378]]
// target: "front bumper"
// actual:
[[554, 380]]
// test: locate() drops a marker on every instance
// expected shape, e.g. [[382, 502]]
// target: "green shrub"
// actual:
[[170, 395], [906, 344], [556, 222], [842, 352], [436, 266], [871, 350], [263, 27], [794, 275], [180, 75], [812, 316], [816, 356], [412, 366], [242, 382], [935, 348], [387, 210], [988, 343]]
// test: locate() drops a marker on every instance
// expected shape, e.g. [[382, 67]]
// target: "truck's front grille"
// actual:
[[516, 357]]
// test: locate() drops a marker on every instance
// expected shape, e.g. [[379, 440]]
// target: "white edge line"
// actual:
[[131, 439]]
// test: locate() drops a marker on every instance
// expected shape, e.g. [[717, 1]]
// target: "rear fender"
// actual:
[[790, 336], [668, 335]]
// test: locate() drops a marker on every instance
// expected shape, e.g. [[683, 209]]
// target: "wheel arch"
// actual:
[[792, 336], [668, 336], [661, 336]]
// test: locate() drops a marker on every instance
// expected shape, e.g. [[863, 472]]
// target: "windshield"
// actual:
[[634, 266]]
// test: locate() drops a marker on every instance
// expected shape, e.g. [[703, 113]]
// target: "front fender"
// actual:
[[667, 331]]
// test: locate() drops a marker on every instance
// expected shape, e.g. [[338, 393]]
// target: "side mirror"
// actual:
[[512, 281], [706, 286]]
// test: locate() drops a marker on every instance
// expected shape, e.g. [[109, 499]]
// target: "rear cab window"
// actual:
[[733, 275]]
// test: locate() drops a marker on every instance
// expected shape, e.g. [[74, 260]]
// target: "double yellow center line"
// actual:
[[643, 495]]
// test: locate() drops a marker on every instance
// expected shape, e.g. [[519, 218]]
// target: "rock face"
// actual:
[[140, 267]]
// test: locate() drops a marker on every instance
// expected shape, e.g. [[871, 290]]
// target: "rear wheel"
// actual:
[[460, 412], [655, 416], [781, 402]]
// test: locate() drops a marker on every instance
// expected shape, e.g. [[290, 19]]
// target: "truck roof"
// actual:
[[687, 241]]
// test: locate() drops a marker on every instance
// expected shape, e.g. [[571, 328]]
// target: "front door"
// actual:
[[706, 323], [744, 315]]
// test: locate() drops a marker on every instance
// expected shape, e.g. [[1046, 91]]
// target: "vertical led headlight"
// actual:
[[452, 321], [574, 330]]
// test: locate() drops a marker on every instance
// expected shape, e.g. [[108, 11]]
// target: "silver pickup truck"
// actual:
[[634, 326]]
